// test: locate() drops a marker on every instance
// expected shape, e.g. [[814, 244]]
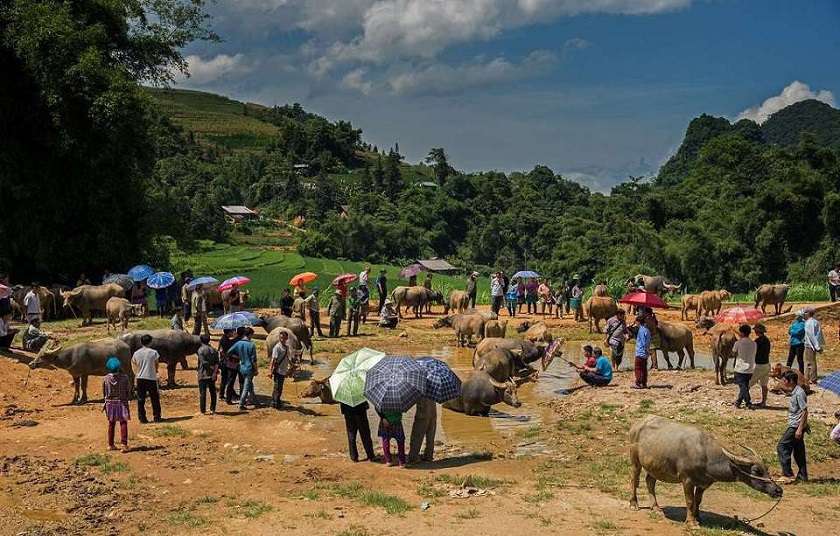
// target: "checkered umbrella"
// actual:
[[395, 384], [831, 382], [441, 383]]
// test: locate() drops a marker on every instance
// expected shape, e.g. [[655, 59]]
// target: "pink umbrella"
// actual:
[[343, 279], [236, 281], [412, 270], [5, 291], [740, 315]]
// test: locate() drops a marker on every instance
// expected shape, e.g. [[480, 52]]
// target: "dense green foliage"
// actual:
[[817, 118]]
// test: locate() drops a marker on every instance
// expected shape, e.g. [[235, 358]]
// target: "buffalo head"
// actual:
[[445, 322], [507, 390], [47, 357], [523, 327], [705, 323], [724, 294], [313, 390], [752, 472]]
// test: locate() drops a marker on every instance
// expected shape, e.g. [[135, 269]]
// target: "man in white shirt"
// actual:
[[744, 350], [364, 276], [145, 362], [497, 292], [278, 368], [32, 303], [813, 343], [834, 283]]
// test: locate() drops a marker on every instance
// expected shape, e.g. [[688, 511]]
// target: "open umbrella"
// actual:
[[740, 315], [347, 381], [412, 270], [236, 281], [525, 274], [203, 281], [831, 382], [395, 384], [302, 279], [642, 298], [160, 280], [441, 383], [239, 319], [123, 280], [141, 272], [343, 279]]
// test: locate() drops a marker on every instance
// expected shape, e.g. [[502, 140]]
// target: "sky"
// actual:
[[595, 89]]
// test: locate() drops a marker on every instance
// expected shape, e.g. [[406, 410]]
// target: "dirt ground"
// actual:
[[267, 472]]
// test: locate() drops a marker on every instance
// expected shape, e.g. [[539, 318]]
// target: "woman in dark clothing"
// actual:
[[229, 366], [356, 421]]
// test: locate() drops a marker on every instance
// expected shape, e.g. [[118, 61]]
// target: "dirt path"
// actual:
[[270, 472]]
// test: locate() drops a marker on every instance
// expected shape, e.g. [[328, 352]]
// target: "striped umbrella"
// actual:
[[441, 383], [141, 272], [160, 280], [204, 281], [239, 319], [395, 384], [347, 381], [236, 281]]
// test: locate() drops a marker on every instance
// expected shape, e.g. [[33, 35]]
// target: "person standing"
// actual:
[[160, 302], [207, 369], [793, 439], [744, 350], [391, 427], [145, 361], [336, 311], [229, 366], [616, 335], [278, 367], [643, 338], [199, 310], [32, 303], [761, 372], [356, 422], [314, 313], [575, 301], [544, 294], [186, 301], [512, 298], [353, 313], [7, 333], [412, 280], [83, 280], [234, 300], [797, 342], [520, 294], [497, 292], [116, 389], [299, 307], [472, 288], [813, 343], [381, 290], [364, 277], [424, 427], [559, 299], [287, 303], [173, 301], [246, 351], [834, 283]]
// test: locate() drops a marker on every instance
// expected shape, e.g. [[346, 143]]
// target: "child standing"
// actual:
[[390, 427], [116, 387]]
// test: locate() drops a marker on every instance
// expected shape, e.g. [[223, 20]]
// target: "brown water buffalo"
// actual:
[[673, 452], [722, 338], [599, 308], [711, 302], [690, 302], [118, 311], [535, 331], [49, 308], [458, 302], [415, 297], [91, 298], [652, 283], [524, 350], [83, 360], [480, 392], [601, 290], [296, 325], [774, 295], [495, 328], [319, 389], [465, 326], [503, 365], [671, 338], [173, 346]]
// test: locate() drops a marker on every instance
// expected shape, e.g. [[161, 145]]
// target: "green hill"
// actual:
[[786, 126]]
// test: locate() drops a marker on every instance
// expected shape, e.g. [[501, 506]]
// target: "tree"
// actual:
[[392, 179], [437, 158]]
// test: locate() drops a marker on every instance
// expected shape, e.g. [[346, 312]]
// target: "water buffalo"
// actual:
[[673, 452], [774, 295], [296, 325], [722, 339], [652, 283], [503, 365], [599, 308], [458, 302], [293, 343], [319, 389], [495, 328], [690, 302], [465, 327], [83, 360], [49, 308], [118, 311], [524, 350], [414, 297], [91, 298], [601, 290], [480, 392], [711, 302], [534, 332], [173, 346], [672, 338]]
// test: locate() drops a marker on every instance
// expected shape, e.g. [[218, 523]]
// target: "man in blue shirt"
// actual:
[[246, 351], [599, 375], [643, 337]]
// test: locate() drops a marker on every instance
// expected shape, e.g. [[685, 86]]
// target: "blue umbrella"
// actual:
[[525, 274], [206, 280], [141, 272], [395, 384], [235, 320], [160, 280], [441, 383], [831, 382]]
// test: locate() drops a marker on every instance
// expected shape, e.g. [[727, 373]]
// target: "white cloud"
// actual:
[[203, 71], [796, 91], [576, 43], [355, 80]]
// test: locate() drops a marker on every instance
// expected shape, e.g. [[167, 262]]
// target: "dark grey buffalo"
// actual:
[[83, 360], [173, 346], [480, 392], [295, 325]]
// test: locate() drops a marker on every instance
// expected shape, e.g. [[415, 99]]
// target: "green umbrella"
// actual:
[[348, 379]]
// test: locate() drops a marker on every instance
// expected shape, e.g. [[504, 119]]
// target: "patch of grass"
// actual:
[[130, 483], [427, 489], [541, 496], [471, 513], [320, 514], [646, 404], [186, 518], [101, 461], [354, 530], [604, 525], [207, 499], [472, 481], [530, 433], [311, 495], [821, 489], [170, 430], [356, 491], [251, 509]]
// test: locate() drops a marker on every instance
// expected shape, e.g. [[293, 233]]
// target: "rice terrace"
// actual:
[[411, 267]]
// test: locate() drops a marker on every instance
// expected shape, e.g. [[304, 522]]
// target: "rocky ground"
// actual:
[[269, 472]]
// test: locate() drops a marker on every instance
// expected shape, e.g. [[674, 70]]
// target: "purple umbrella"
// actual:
[[412, 270]]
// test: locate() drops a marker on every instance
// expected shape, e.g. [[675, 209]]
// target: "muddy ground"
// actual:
[[556, 465]]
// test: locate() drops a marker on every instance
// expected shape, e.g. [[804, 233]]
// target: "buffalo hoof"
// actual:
[[634, 505]]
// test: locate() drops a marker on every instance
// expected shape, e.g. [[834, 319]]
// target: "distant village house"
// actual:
[[238, 213]]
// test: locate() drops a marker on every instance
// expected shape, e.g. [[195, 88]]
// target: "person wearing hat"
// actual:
[[761, 372], [186, 303], [336, 311], [472, 288], [381, 290], [353, 311], [314, 313], [797, 341], [388, 316], [813, 343], [116, 388]]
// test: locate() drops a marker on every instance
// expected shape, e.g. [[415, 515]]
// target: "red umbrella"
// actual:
[[343, 279], [236, 281], [740, 315], [645, 299]]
